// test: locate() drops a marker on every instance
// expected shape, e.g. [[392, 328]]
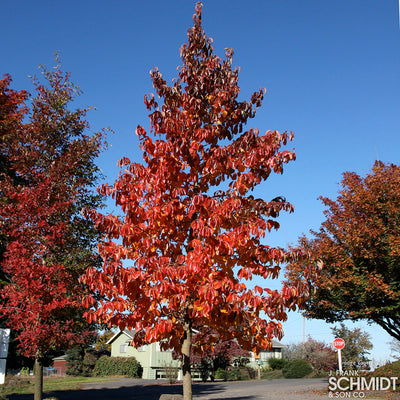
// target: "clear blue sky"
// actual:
[[331, 69]]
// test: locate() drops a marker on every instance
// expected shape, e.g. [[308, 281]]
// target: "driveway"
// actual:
[[133, 389]]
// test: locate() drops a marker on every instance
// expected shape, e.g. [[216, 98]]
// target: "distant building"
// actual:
[[60, 365], [151, 358], [264, 355], [155, 361]]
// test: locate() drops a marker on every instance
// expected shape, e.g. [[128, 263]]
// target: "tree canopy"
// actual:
[[319, 354], [46, 178], [357, 346], [358, 248], [191, 233]]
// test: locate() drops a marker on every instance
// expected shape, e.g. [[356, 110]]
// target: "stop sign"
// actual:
[[338, 343]]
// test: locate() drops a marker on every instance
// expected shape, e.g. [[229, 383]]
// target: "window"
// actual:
[[123, 348]]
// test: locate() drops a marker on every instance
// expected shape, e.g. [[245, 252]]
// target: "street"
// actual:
[[134, 389]]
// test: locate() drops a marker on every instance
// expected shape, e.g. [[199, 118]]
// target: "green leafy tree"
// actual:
[[102, 339], [81, 361], [357, 346]]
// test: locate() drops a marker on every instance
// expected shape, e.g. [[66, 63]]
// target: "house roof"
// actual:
[[129, 333], [277, 345], [60, 358]]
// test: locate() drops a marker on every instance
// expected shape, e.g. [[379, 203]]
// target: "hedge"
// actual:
[[276, 363], [297, 369], [123, 366], [235, 374]]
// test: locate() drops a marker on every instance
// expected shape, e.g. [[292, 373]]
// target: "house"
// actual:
[[264, 355], [156, 363]]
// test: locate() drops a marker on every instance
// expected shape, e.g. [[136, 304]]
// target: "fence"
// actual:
[[52, 371]]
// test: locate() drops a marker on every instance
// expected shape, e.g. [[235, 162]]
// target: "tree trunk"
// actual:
[[186, 370], [38, 379]]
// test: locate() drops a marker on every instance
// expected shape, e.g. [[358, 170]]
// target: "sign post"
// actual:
[[338, 343], [4, 340]]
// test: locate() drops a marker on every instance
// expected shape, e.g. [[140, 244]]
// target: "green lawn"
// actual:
[[24, 384]]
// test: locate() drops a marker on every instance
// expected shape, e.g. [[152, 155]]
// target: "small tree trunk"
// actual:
[[186, 370], [38, 393]]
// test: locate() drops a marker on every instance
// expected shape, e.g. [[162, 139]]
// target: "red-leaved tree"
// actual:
[[47, 170], [12, 112], [320, 355], [192, 233]]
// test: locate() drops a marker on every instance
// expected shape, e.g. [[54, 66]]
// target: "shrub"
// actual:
[[251, 372], [297, 369], [268, 374], [221, 373], [389, 369], [171, 373], [241, 374], [234, 375], [24, 371], [15, 381], [125, 366], [276, 363]]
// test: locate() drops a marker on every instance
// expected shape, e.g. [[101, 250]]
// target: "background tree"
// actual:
[[395, 348], [47, 180], [357, 346], [101, 341], [358, 247], [319, 354], [81, 360], [191, 231]]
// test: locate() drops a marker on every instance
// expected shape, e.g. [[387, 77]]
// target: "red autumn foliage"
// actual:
[[44, 175], [320, 355], [191, 233]]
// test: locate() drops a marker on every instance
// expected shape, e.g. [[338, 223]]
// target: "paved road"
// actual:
[[132, 389]]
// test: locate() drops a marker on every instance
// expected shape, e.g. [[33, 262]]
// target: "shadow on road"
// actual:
[[150, 392], [137, 389]]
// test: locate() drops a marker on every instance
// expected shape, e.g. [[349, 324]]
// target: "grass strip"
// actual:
[[25, 385]]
